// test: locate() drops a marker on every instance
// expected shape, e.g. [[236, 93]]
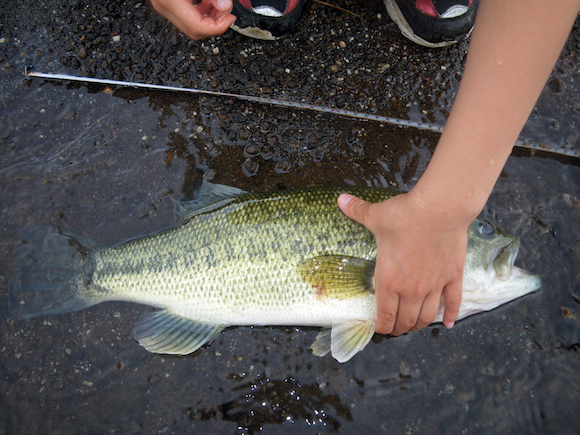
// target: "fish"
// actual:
[[234, 258]]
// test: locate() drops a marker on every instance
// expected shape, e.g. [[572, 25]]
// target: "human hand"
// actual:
[[208, 18], [420, 257]]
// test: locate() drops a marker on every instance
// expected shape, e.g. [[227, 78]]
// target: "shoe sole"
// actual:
[[263, 26], [407, 31]]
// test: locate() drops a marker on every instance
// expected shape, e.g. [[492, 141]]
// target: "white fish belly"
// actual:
[[227, 298]]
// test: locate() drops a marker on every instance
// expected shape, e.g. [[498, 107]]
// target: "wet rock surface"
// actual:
[[109, 163]]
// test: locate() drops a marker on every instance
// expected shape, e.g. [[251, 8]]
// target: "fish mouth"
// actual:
[[506, 271], [505, 258]]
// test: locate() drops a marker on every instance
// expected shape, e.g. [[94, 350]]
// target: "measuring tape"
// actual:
[[521, 143]]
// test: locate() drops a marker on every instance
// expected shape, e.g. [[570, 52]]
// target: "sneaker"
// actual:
[[266, 19], [433, 23]]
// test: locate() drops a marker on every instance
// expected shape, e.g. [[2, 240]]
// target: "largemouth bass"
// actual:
[[237, 258]]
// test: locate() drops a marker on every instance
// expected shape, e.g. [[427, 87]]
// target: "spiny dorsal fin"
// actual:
[[164, 332], [207, 195], [338, 276]]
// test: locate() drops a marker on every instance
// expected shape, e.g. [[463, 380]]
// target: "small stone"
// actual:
[[556, 85], [251, 150], [250, 168], [244, 134], [283, 166], [384, 67], [566, 312]]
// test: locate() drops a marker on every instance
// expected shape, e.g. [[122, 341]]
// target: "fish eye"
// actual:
[[485, 228]]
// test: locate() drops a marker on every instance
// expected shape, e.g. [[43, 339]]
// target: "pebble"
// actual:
[[250, 168], [251, 150], [283, 166], [244, 134]]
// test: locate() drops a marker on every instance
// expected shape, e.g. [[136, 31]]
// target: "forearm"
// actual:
[[514, 47]]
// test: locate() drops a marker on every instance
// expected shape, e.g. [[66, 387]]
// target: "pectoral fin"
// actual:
[[344, 340], [164, 332], [338, 276]]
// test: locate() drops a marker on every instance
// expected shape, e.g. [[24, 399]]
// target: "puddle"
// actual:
[[110, 163]]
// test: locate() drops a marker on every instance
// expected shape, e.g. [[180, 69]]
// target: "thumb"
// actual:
[[222, 5], [353, 207]]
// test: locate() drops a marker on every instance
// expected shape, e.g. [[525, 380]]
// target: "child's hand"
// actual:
[[209, 18], [420, 256]]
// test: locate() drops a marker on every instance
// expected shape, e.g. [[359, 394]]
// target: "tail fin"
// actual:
[[50, 268]]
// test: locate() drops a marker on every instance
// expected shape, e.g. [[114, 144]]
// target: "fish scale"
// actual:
[[236, 258], [249, 285]]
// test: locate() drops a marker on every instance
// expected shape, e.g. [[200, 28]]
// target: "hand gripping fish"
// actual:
[[237, 258]]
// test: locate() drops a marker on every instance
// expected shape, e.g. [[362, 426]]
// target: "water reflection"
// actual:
[[261, 402]]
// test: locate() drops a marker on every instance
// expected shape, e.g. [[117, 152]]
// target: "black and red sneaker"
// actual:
[[433, 23], [266, 19]]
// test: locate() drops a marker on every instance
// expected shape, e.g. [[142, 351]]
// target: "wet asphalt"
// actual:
[[109, 163]]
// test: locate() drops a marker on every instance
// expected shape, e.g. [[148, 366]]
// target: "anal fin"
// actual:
[[321, 345], [165, 332], [345, 339]]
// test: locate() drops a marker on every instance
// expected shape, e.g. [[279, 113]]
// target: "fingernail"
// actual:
[[344, 199], [222, 5], [449, 325]]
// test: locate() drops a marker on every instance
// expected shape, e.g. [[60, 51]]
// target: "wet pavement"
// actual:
[[109, 163]]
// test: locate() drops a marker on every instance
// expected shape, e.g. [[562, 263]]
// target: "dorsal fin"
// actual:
[[207, 195]]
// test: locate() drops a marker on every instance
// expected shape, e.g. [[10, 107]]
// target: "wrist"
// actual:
[[445, 210]]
